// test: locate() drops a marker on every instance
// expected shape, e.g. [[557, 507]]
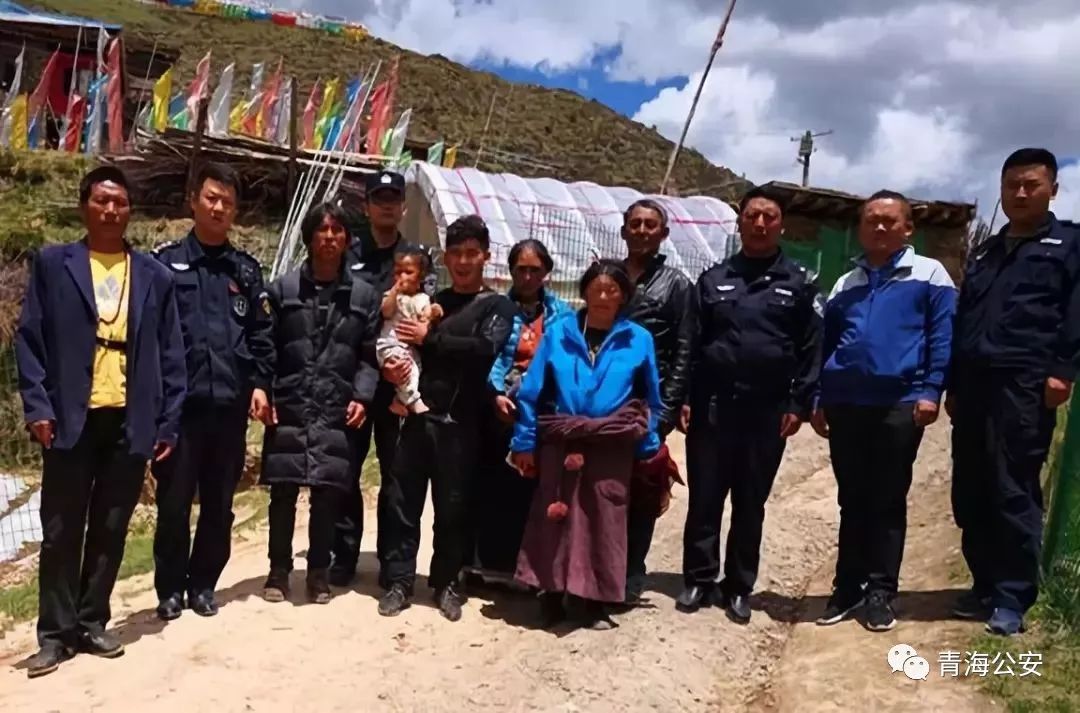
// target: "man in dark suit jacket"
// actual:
[[102, 379]]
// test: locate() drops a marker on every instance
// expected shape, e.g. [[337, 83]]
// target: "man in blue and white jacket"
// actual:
[[888, 333]]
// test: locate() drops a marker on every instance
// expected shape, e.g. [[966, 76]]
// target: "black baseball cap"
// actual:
[[386, 181]]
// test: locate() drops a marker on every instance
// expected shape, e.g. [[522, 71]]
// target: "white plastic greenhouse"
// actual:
[[576, 221]]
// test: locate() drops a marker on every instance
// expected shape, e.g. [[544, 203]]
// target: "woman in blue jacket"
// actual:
[[587, 415], [502, 501]]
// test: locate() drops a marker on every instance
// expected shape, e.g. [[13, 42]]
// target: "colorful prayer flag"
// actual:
[[197, 89], [95, 117], [329, 110], [217, 120], [435, 153], [114, 97], [162, 93], [9, 101], [72, 138], [282, 119], [311, 111], [19, 129], [451, 157]]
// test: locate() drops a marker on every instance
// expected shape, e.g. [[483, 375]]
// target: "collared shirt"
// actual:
[[225, 319], [1020, 307]]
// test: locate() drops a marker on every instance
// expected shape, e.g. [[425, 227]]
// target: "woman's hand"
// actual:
[[412, 331], [525, 463]]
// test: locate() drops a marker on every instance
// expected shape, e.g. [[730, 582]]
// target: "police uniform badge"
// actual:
[[240, 305], [264, 302]]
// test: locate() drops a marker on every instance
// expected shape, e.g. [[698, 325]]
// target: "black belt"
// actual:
[[112, 344]]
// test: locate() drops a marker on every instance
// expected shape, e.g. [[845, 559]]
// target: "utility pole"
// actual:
[[717, 44], [806, 148]]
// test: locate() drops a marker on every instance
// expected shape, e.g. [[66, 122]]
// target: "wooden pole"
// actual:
[[487, 123], [196, 149], [294, 104], [142, 92], [697, 96]]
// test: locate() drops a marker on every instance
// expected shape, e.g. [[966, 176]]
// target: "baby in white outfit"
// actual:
[[406, 300]]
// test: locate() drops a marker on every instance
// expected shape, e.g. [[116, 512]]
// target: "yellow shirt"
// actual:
[[112, 284]]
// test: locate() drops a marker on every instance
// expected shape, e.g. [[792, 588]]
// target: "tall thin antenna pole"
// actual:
[[697, 96], [487, 123]]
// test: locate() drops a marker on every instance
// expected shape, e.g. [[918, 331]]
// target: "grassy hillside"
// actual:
[[583, 139]]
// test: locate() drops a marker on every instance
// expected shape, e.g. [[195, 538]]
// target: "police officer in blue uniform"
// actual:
[[229, 350], [1016, 351], [754, 365], [371, 258]]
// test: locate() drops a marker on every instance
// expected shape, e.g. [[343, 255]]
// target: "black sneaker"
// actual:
[[450, 602], [47, 660], [971, 605], [879, 613], [276, 588], [395, 601], [841, 605]]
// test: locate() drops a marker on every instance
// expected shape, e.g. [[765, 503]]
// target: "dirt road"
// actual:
[[256, 656]]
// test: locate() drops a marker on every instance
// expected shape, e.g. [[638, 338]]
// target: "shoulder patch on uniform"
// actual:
[[725, 288], [164, 246], [180, 266], [1051, 241]]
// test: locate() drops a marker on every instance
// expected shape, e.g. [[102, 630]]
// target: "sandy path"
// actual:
[[260, 657]]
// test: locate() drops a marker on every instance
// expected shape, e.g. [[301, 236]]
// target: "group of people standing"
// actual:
[[541, 429]]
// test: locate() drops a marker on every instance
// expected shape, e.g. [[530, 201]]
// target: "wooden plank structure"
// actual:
[[159, 166], [821, 229]]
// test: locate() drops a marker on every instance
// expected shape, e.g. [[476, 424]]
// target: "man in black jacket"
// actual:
[[322, 387], [662, 304], [229, 351], [1015, 357], [441, 445], [756, 360], [370, 257]]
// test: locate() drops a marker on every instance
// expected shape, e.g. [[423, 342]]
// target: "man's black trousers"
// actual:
[[501, 502], [87, 496], [349, 522], [1002, 431], [324, 508], [209, 458], [731, 448], [873, 451], [445, 453]]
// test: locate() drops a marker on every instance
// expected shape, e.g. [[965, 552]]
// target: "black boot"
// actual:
[[450, 602], [318, 587], [693, 598], [47, 660], [276, 588], [100, 643]]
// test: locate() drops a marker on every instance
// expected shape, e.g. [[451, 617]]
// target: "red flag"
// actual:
[[380, 118], [114, 98], [311, 112], [41, 93], [76, 118]]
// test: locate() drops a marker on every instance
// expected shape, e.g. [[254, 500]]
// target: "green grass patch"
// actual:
[[1058, 688]]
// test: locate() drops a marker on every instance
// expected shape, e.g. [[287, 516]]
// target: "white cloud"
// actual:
[[924, 96], [1067, 204]]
